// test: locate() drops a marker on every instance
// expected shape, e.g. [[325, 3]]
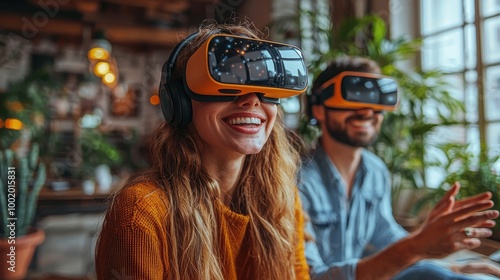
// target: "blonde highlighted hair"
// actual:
[[266, 193]]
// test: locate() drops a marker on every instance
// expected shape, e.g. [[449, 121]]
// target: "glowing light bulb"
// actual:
[[101, 68], [13, 124], [98, 53], [109, 78], [154, 99]]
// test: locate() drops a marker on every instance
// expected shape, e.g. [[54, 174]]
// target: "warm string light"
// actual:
[[102, 63], [11, 123], [154, 99], [109, 78], [101, 68], [100, 49], [98, 54]]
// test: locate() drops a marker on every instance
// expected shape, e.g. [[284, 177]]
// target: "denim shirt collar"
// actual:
[[329, 171], [368, 190]]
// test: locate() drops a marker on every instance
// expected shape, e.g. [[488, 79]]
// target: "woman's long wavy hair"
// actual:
[[266, 193]]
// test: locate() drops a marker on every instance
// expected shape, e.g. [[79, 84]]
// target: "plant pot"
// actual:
[[15, 262]]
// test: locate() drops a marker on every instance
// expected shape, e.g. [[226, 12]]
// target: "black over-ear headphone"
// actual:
[[174, 101]]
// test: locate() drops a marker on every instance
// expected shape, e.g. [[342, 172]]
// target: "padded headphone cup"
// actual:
[[175, 104], [166, 104]]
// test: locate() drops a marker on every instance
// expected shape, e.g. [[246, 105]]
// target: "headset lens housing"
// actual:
[[356, 90], [381, 91], [229, 66]]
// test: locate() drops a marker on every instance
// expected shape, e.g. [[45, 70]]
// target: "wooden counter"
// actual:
[[72, 200]]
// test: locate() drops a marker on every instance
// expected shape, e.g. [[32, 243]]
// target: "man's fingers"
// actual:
[[477, 267], [452, 192], [470, 243], [472, 209], [476, 233], [473, 199], [448, 197], [485, 224], [485, 219]]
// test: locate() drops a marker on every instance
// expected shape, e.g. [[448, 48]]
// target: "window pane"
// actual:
[[448, 134], [469, 10], [492, 40], [435, 174], [455, 87], [493, 139], [492, 93], [473, 139], [490, 7], [471, 113], [440, 15], [441, 135], [444, 51], [457, 134], [470, 46]]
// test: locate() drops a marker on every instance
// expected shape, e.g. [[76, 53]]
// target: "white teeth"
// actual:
[[361, 123], [246, 120]]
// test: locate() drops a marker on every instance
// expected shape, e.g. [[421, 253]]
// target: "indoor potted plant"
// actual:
[[404, 137], [476, 174], [25, 103], [21, 180], [98, 157]]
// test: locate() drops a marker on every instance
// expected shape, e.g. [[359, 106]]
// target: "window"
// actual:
[[449, 31]]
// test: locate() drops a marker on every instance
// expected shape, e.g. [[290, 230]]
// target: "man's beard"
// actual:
[[340, 135]]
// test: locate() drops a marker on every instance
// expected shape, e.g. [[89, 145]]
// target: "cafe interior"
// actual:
[[79, 93]]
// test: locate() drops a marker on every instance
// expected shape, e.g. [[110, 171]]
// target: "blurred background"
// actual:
[[79, 97]]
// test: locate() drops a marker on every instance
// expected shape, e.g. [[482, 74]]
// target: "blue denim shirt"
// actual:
[[344, 229]]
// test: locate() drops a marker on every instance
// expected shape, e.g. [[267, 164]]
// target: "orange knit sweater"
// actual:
[[132, 241]]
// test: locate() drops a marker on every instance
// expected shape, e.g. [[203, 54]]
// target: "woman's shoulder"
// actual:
[[141, 190], [140, 193], [137, 201]]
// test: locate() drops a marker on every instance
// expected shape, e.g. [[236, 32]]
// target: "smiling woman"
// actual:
[[240, 127], [219, 200]]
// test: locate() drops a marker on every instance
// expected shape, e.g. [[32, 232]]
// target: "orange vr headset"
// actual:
[[357, 90], [228, 66]]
